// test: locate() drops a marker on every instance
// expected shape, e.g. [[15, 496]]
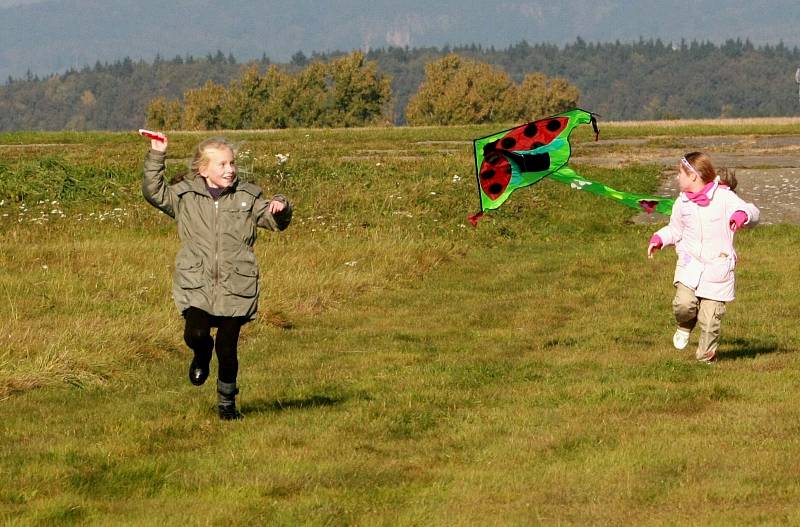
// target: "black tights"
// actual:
[[197, 335]]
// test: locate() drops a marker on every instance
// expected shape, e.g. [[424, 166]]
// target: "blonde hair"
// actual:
[[701, 164], [200, 159]]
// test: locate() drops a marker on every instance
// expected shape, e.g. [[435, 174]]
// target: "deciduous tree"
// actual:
[[462, 91], [457, 90]]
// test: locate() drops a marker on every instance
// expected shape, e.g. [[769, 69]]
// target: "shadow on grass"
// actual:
[[746, 349], [282, 405]]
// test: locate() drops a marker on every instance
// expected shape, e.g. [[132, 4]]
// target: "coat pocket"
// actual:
[[189, 273], [719, 269], [244, 280]]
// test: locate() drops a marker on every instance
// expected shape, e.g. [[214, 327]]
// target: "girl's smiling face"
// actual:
[[220, 171]]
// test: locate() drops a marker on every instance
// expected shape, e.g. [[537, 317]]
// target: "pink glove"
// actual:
[[738, 219], [656, 243]]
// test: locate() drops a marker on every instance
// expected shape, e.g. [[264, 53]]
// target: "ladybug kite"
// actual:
[[522, 156]]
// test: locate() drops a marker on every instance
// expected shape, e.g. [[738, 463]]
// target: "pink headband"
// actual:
[[689, 166]]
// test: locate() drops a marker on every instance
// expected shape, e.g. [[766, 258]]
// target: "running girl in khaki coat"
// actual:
[[215, 284]]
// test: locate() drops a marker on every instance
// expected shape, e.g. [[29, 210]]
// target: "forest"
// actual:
[[647, 79]]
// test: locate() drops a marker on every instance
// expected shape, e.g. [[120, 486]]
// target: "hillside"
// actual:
[[642, 80], [54, 35]]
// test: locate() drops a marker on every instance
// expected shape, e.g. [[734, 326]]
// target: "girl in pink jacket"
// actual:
[[704, 219]]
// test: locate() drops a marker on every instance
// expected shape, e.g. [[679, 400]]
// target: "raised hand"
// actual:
[[158, 141]]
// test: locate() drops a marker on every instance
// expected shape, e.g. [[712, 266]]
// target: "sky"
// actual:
[[12, 3]]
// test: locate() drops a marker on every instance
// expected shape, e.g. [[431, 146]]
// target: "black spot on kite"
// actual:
[[508, 143], [495, 188], [530, 130], [493, 158], [488, 174], [537, 144], [536, 163], [489, 148], [553, 125]]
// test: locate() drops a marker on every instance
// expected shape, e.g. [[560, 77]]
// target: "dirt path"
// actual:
[[767, 168]]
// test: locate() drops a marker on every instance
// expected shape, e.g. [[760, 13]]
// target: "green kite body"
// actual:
[[524, 155]]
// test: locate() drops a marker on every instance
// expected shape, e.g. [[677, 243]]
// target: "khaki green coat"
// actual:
[[215, 269]]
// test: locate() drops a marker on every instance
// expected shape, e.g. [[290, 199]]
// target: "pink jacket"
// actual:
[[704, 242]]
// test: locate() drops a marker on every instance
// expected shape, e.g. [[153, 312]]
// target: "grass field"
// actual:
[[405, 369]]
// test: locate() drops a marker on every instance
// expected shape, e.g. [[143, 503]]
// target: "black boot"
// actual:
[[198, 370], [226, 392]]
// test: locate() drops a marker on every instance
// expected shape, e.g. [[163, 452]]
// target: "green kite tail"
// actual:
[[524, 155], [643, 202]]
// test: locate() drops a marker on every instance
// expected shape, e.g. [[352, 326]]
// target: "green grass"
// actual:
[[405, 369]]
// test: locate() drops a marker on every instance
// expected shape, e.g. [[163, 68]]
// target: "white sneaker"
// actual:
[[680, 339]]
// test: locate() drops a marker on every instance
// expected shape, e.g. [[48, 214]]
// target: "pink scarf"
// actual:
[[701, 196]]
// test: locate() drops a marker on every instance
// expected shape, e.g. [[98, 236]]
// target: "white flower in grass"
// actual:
[[281, 158], [456, 178], [351, 263]]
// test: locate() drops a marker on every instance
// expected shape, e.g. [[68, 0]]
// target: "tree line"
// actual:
[[348, 91], [648, 79]]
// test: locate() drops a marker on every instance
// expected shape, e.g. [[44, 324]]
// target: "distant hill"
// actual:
[[642, 80], [47, 36]]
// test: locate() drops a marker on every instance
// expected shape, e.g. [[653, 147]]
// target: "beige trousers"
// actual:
[[690, 310]]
